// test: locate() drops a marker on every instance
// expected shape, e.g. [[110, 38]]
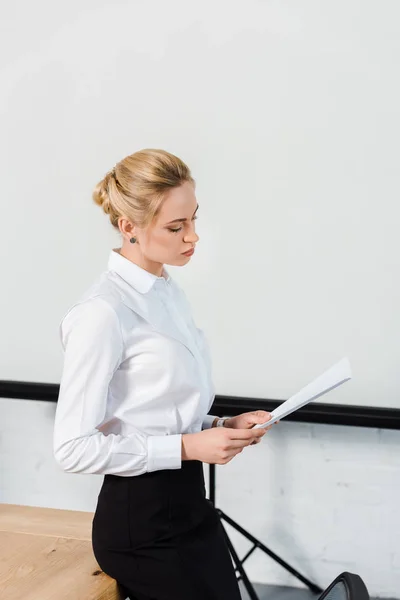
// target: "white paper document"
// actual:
[[331, 379]]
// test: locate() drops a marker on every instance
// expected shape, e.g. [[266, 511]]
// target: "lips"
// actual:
[[189, 252]]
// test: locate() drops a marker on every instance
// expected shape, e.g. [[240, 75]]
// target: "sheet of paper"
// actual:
[[331, 379]]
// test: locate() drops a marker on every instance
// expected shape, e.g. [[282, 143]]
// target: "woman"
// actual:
[[135, 391]]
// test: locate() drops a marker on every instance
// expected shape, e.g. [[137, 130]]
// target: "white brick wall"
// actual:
[[324, 498]]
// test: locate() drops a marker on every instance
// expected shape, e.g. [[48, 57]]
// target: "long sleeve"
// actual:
[[93, 350], [208, 421]]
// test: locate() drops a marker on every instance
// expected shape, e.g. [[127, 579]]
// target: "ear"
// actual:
[[127, 228]]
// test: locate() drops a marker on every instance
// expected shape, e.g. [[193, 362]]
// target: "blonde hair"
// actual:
[[136, 187]]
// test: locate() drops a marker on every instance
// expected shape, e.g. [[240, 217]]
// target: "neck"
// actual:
[[134, 255]]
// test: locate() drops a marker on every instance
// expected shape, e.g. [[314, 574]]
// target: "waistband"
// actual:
[[190, 469]]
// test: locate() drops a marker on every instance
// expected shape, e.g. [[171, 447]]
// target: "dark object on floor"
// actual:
[[276, 592], [347, 586]]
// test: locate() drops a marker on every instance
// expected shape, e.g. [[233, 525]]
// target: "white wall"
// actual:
[[325, 498], [287, 113]]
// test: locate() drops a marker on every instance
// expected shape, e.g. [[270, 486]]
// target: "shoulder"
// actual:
[[95, 313]]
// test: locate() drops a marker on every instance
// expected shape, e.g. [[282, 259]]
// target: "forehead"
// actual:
[[179, 203]]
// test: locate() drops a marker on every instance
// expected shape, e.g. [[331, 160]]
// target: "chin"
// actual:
[[182, 260]]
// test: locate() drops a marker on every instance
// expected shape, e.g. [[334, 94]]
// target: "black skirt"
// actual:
[[160, 537]]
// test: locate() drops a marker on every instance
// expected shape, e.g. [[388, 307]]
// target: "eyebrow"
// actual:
[[181, 220]]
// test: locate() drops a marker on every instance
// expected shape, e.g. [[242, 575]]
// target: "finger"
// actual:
[[255, 442], [233, 444], [246, 434], [261, 414], [256, 420], [232, 455]]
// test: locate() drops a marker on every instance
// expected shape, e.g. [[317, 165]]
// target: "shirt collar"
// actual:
[[138, 278]]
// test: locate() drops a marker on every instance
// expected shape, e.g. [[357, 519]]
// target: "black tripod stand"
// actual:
[[241, 573]]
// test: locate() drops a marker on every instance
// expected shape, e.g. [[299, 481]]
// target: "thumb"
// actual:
[[259, 416]]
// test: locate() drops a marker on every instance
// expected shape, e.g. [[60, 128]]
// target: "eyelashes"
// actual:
[[180, 228]]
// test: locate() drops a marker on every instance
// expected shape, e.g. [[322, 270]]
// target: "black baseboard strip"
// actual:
[[315, 412]]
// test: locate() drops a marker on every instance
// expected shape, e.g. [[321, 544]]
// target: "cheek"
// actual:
[[163, 241]]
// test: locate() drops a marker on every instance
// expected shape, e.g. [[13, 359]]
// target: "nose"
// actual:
[[191, 237]]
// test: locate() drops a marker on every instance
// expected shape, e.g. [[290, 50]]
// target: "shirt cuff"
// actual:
[[164, 452], [208, 421]]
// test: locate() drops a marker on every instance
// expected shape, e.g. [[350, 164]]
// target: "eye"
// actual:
[[180, 228]]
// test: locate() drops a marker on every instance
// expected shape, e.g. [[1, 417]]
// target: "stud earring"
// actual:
[[132, 240]]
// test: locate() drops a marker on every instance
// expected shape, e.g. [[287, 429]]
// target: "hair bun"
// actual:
[[100, 194]]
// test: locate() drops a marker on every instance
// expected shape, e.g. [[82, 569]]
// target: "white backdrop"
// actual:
[[287, 114]]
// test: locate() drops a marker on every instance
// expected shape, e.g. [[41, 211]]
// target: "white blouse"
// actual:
[[136, 375]]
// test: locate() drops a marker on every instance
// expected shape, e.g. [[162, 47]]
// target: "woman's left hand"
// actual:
[[248, 420]]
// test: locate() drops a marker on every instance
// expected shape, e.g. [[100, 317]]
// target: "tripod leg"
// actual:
[[313, 587], [248, 585], [212, 483]]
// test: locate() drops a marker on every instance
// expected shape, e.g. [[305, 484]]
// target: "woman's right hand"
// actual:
[[218, 445]]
